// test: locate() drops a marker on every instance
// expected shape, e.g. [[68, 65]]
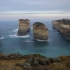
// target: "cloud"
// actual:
[[34, 5]]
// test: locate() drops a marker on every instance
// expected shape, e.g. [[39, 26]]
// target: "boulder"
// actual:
[[24, 26], [40, 31]]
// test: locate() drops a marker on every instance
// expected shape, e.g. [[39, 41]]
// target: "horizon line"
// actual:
[[34, 12]]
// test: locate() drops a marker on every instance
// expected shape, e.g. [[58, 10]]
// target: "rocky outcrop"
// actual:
[[62, 28], [24, 26], [40, 31]]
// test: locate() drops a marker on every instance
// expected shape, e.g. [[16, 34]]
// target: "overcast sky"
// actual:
[[42, 9], [52, 6]]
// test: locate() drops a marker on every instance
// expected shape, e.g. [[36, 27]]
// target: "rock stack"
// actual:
[[24, 26], [40, 31]]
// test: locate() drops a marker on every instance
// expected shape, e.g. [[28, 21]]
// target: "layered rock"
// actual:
[[24, 26], [62, 27], [40, 31]]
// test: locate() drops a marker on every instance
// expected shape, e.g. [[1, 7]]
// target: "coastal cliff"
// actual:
[[62, 26], [24, 26], [33, 62], [40, 31]]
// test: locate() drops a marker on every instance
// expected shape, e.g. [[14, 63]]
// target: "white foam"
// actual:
[[40, 40], [16, 36], [43, 40], [14, 30], [2, 37]]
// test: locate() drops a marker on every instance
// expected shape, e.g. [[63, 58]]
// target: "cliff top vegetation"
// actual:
[[65, 21]]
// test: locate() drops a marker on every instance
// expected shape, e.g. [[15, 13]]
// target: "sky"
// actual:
[[55, 7]]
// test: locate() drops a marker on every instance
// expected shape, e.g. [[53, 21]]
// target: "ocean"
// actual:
[[55, 46]]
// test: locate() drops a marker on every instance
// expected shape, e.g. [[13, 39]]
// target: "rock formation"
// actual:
[[62, 26], [40, 31], [24, 26]]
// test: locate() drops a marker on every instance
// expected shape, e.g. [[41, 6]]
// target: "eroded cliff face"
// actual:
[[62, 28], [24, 26], [40, 31]]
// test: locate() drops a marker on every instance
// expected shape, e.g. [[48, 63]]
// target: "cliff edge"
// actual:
[[40, 31]]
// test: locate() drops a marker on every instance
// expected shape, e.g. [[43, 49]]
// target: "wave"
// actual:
[[43, 40], [2, 37], [14, 30], [16, 36], [28, 41]]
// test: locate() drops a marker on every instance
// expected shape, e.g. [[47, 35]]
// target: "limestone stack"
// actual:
[[24, 26], [40, 31]]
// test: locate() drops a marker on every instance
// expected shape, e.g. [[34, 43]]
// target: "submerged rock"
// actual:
[[24, 26], [40, 31]]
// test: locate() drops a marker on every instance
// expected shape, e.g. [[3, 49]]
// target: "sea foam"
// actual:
[[14, 30], [43, 40], [16, 36]]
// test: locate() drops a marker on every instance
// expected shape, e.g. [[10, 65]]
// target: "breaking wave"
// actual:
[[43, 40], [14, 30], [16, 36]]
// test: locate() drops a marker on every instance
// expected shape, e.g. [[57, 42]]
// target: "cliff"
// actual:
[[40, 31], [33, 62], [24, 26], [62, 27]]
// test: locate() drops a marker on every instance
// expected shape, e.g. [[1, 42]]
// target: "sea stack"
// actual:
[[40, 31], [62, 26], [24, 26]]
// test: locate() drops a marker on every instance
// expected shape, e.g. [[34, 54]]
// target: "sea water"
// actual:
[[55, 46]]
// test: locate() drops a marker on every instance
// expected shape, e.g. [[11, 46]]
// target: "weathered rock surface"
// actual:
[[40, 31], [62, 28], [24, 26]]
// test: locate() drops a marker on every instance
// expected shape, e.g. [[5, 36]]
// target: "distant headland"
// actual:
[[62, 26]]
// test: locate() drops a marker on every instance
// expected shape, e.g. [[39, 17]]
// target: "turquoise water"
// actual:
[[55, 46]]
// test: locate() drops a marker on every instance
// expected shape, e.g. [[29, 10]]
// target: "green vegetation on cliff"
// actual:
[[38, 24], [65, 21]]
